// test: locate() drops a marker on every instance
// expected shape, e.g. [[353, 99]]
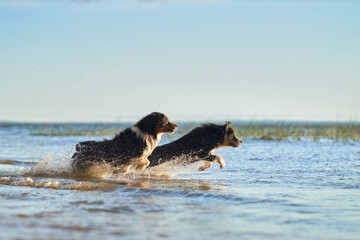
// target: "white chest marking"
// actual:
[[150, 141]]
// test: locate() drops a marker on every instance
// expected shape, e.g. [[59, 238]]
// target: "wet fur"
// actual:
[[128, 149], [197, 145]]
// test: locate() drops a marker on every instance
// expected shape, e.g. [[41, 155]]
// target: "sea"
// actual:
[[268, 190]]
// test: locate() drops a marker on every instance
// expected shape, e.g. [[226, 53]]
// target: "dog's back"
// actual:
[[129, 149], [198, 143], [120, 150]]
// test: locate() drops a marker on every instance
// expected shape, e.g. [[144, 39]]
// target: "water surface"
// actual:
[[268, 190]]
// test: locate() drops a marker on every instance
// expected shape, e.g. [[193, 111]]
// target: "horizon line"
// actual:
[[263, 120]]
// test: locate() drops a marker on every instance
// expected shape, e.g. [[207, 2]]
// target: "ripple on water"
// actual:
[[268, 190], [81, 186]]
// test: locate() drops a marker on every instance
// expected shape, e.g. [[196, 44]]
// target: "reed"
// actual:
[[299, 131], [276, 131]]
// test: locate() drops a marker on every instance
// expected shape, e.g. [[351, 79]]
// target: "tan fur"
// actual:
[[206, 166], [142, 162], [99, 170], [169, 128], [220, 161], [208, 163]]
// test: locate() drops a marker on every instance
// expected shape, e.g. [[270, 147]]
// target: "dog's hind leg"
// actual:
[[142, 165], [206, 166], [122, 169]]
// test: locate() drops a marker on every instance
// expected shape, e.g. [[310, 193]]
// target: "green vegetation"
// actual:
[[277, 131], [78, 130], [299, 131]]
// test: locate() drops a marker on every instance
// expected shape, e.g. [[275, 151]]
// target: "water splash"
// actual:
[[61, 167], [82, 186], [50, 166], [171, 169], [166, 170]]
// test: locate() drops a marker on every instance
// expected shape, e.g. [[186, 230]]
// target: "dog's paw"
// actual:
[[143, 165], [122, 169], [203, 168], [140, 167], [220, 161], [206, 166]]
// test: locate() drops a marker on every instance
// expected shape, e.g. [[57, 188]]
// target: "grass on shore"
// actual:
[[299, 131], [281, 131]]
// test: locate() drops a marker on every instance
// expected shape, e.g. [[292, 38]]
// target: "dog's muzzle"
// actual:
[[235, 142], [170, 127]]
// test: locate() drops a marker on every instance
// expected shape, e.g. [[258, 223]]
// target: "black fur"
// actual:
[[196, 145], [120, 150]]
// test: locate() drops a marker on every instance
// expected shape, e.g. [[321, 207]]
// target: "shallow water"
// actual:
[[268, 190]]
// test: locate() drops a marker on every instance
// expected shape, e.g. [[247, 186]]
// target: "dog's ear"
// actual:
[[227, 126]]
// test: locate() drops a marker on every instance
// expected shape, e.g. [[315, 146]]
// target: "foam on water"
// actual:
[[50, 166], [100, 177], [83, 186]]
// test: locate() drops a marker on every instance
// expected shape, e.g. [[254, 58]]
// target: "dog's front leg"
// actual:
[[122, 169], [206, 166], [220, 161], [216, 158], [144, 163]]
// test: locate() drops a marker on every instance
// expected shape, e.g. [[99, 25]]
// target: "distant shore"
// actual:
[[260, 130]]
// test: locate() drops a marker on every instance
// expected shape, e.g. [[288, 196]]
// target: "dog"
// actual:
[[127, 150], [197, 145]]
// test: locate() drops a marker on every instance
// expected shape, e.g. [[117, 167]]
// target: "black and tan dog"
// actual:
[[197, 145], [128, 149]]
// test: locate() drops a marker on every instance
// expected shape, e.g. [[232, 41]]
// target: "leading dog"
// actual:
[[128, 149], [197, 145]]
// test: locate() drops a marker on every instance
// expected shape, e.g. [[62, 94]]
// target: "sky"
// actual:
[[70, 61]]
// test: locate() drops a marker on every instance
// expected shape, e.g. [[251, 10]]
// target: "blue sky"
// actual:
[[193, 60]]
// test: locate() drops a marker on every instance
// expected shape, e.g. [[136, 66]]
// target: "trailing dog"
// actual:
[[127, 150], [197, 145]]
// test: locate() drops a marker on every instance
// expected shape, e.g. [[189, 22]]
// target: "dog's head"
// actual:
[[229, 137], [156, 123]]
